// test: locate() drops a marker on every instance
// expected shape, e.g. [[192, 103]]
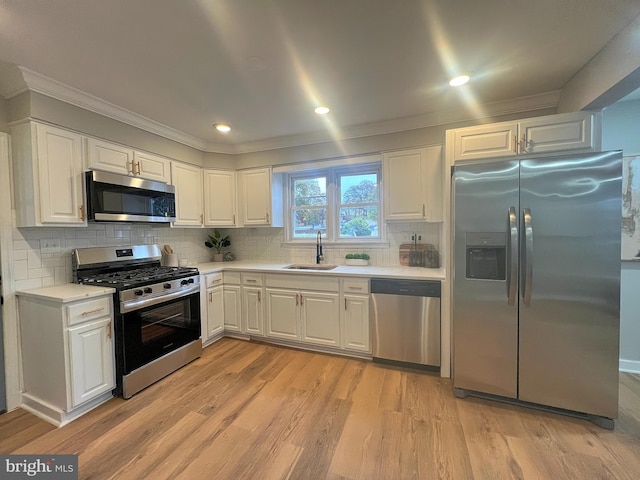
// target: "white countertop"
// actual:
[[417, 273], [66, 293]]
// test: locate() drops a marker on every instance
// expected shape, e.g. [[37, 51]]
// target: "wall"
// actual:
[[3, 115], [621, 131]]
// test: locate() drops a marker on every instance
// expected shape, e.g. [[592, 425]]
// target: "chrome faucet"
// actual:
[[319, 256]]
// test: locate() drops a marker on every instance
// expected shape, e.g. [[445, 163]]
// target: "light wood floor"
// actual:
[[255, 411]]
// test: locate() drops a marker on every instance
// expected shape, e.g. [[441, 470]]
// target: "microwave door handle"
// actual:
[[512, 256], [527, 265]]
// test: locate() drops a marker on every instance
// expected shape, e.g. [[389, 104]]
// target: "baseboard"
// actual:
[[630, 366]]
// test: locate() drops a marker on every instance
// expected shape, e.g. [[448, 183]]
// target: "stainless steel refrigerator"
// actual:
[[536, 281]]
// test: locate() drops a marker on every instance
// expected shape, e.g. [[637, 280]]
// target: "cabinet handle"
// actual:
[[515, 144], [351, 287], [297, 301], [201, 219], [210, 297], [267, 217], [345, 304], [81, 212], [133, 165], [301, 300], [139, 167], [259, 296], [523, 144], [251, 280], [95, 310], [423, 214], [234, 218], [109, 330], [215, 281]]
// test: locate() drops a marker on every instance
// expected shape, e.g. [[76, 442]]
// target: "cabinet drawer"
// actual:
[[213, 279], [355, 285], [251, 279], [89, 310], [232, 277]]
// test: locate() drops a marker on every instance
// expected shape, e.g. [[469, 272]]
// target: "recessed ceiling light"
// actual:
[[222, 127], [322, 110], [459, 80]]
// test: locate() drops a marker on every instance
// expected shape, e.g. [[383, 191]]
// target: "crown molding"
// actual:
[[504, 107], [39, 83], [17, 79]]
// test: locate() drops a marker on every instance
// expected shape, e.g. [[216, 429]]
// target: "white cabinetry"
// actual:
[[252, 311], [48, 176], [354, 315], [188, 182], [412, 181], [261, 197], [303, 308], [212, 307], [220, 198], [111, 157], [576, 131], [232, 302], [67, 354]]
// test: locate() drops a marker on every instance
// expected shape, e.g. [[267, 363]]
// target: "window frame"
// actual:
[[333, 177]]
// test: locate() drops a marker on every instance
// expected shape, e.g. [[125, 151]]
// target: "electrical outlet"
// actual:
[[49, 246]]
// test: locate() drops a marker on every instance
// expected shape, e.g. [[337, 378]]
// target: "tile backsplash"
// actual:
[[42, 256]]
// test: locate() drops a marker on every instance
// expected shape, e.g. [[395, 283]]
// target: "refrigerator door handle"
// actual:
[[512, 256], [527, 259]]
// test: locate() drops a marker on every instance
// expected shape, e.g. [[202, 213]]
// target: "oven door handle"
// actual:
[[132, 305]]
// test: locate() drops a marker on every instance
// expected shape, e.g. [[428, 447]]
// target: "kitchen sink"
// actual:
[[310, 266]]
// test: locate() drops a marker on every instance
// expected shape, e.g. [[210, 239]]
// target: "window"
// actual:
[[343, 203]]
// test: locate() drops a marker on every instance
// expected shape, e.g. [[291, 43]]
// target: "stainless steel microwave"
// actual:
[[118, 198]]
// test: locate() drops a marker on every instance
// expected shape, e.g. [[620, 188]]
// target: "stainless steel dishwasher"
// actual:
[[405, 317]]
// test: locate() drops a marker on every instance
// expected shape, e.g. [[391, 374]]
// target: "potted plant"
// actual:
[[218, 242], [357, 258]]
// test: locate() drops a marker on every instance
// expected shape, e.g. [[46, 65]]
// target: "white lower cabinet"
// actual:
[[232, 304], [282, 314], [354, 318], [252, 312], [320, 318], [211, 307], [68, 355]]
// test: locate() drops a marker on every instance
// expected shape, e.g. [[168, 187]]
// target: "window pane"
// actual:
[[359, 222], [307, 222], [361, 188], [310, 191]]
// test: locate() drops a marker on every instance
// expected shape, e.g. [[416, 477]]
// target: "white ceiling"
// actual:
[[263, 65]]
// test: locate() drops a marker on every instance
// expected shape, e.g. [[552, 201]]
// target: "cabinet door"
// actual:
[[60, 174], [557, 133], [232, 308], [486, 141], [282, 313], [188, 182], [320, 315], [91, 359], [256, 196], [152, 167], [355, 323], [404, 185], [215, 311], [109, 157], [252, 310], [219, 198]]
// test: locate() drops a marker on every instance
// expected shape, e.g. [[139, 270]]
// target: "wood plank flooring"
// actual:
[[249, 410]]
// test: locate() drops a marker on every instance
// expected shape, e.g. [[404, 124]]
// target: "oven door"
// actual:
[[151, 332]]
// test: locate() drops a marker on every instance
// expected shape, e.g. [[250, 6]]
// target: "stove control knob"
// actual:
[[138, 292], [184, 282], [167, 285], [148, 290], [190, 280]]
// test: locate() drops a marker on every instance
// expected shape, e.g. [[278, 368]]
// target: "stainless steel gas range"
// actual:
[[156, 311]]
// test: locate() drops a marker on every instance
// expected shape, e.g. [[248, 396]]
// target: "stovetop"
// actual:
[[137, 277]]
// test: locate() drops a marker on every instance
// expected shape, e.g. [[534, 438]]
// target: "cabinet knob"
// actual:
[[109, 330], [81, 212]]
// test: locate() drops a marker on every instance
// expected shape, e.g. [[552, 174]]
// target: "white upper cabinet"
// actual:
[[553, 133], [111, 157], [412, 181], [152, 167], [220, 198], [261, 198], [48, 176], [188, 182]]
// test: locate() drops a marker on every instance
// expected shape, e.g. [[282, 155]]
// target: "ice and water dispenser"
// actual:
[[485, 255]]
